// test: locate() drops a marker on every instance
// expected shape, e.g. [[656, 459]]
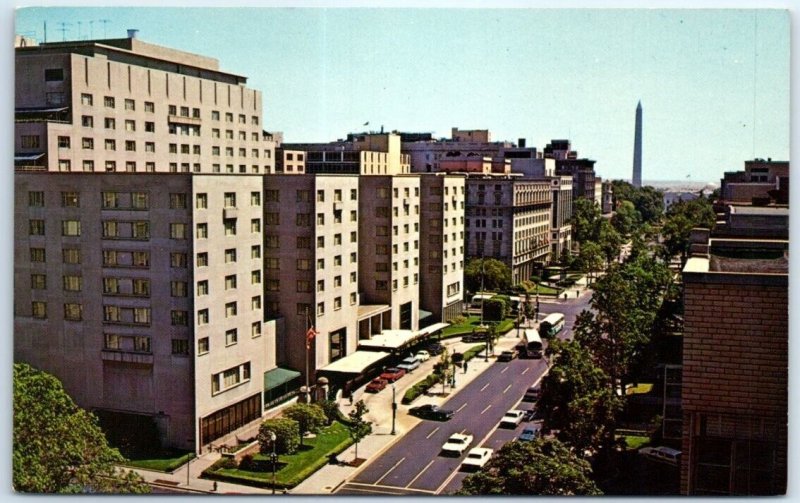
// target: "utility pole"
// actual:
[[64, 29], [104, 21]]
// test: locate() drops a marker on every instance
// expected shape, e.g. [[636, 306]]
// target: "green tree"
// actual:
[[576, 400], [648, 201], [590, 258], [626, 219], [542, 467], [359, 427], [585, 220], [496, 275], [331, 410], [59, 447], [310, 417], [445, 368], [495, 309], [609, 240], [287, 438], [679, 221]]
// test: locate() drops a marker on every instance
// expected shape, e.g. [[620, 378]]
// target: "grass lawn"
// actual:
[[293, 468], [640, 388], [166, 462], [634, 441], [462, 328], [543, 290]]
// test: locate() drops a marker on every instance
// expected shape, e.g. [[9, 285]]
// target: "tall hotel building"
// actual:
[[140, 233]]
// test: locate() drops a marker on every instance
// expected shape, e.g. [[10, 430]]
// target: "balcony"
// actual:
[[127, 357], [182, 119], [228, 213]]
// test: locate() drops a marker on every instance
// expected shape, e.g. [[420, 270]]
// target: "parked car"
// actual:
[[435, 348], [409, 364], [431, 411], [507, 356], [474, 337], [457, 443], [476, 458], [532, 394], [663, 454], [530, 415], [423, 355], [392, 374], [376, 385], [528, 434], [512, 418]]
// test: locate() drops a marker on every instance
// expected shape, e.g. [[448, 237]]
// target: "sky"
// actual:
[[714, 84]]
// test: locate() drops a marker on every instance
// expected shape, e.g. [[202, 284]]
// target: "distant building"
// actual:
[[637, 148], [671, 198], [761, 182], [561, 229], [608, 197]]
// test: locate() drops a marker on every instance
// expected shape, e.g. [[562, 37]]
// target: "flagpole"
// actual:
[[308, 344]]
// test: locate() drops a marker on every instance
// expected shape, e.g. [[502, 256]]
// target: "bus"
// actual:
[[532, 344], [552, 324]]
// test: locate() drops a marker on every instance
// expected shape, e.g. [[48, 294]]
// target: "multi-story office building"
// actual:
[[761, 181], [441, 251], [311, 265], [561, 229], [735, 364], [508, 218], [568, 164], [138, 255]]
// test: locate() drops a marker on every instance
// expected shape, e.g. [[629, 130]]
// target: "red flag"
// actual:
[[310, 337]]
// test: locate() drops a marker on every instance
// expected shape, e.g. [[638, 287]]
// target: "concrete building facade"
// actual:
[[561, 228]]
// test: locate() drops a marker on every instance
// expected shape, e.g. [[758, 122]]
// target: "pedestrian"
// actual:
[[351, 398], [465, 367], [577, 293], [215, 486]]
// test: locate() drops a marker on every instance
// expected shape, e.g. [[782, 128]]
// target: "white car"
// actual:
[[457, 443], [477, 457], [512, 418], [664, 454], [423, 356], [409, 363]]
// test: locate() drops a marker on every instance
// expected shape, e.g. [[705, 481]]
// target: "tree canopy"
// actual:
[[540, 467], [496, 275], [647, 201], [585, 220], [681, 218], [59, 447]]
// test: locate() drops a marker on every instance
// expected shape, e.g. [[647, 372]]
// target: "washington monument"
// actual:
[[637, 148]]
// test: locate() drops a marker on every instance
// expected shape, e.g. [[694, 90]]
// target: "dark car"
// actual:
[[507, 356], [529, 434], [431, 411], [473, 337], [532, 394], [376, 385], [530, 415], [392, 374], [435, 348]]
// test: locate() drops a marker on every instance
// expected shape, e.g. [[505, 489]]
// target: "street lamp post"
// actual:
[[274, 457], [188, 465], [454, 376], [394, 409]]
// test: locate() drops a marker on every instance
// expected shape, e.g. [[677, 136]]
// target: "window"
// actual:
[[320, 241], [141, 259], [353, 236], [320, 219], [111, 145], [110, 286], [179, 318], [230, 255], [30, 141], [255, 199], [214, 115], [230, 282], [73, 312], [36, 199], [321, 309], [63, 142], [141, 315], [141, 230], [202, 317], [180, 347], [130, 125], [108, 101], [337, 260], [272, 195], [150, 166], [202, 231], [230, 309], [87, 121], [39, 309], [255, 251], [337, 303], [255, 277], [130, 105], [273, 285], [140, 200], [353, 258], [37, 255], [202, 346], [231, 337], [72, 283], [149, 107], [36, 227], [255, 329], [202, 259], [178, 259], [273, 242], [141, 287], [179, 288], [337, 239], [71, 255], [86, 99], [201, 201], [255, 225], [70, 227], [230, 226], [353, 215], [38, 281], [255, 303]]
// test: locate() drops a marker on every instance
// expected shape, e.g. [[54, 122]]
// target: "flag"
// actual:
[[310, 337], [366, 123]]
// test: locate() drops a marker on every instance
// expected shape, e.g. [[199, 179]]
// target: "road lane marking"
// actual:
[[459, 409], [506, 390], [504, 370], [434, 431], [525, 371], [420, 473], [486, 386], [487, 408], [360, 486], [390, 470]]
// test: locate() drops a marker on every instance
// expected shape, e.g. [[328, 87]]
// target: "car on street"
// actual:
[[512, 418], [530, 415], [392, 374], [435, 348], [457, 444], [423, 355], [431, 411], [474, 337], [661, 453], [532, 394], [409, 364], [507, 356], [476, 458], [528, 434], [376, 385]]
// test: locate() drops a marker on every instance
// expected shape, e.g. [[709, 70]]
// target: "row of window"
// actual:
[[141, 259], [115, 229], [119, 200], [304, 195], [383, 192], [435, 269], [227, 379], [87, 99], [384, 266], [384, 284], [383, 249], [231, 338]]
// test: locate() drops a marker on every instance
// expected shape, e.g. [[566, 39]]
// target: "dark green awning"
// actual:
[[277, 376]]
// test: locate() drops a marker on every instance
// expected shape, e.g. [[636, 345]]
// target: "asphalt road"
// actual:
[[414, 465]]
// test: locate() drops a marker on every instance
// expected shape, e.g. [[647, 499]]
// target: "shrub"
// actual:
[[458, 320], [286, 432], [226, 462], [331, 410], [309, 416], [495, 308], [247, 462]]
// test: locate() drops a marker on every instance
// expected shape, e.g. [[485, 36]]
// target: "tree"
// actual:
[[609, 240], [309, 416], [287, 438], [648, 201], [445, 368], [585, 220], [496, 275], [576, 399], [540, 467], [590, 258], [359, 427], [679, 221], [59, 447], [495, 308], [626, 219]]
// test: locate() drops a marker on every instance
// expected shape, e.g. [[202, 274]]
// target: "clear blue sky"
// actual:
[[714, 84]]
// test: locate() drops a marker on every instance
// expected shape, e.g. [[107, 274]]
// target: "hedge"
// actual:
[[421, 387]]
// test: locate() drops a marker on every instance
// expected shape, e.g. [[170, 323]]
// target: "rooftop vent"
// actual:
[[132, 33]]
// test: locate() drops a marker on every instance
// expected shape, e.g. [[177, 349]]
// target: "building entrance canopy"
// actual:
[[355, 363]]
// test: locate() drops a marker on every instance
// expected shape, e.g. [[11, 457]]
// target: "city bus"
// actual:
[[532, 344], [551, 325]]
